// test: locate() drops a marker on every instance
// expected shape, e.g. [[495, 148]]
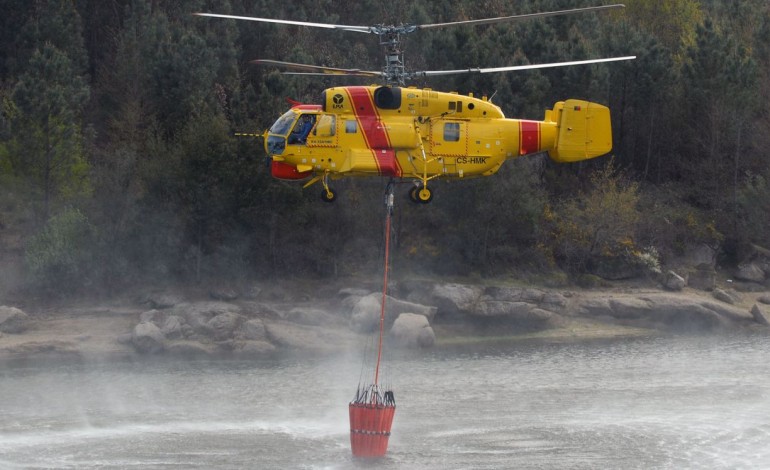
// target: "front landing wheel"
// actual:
[[424, 195], [328, 195]]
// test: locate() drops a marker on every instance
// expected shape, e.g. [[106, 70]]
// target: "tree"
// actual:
[[48, 144]]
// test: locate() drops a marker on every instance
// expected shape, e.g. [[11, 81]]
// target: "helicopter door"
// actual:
[[449, 138], [324, 133]]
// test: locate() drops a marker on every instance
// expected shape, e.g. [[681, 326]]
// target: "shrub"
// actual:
[[597, 224], [58, 258]]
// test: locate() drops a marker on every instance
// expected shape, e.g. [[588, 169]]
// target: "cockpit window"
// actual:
[[283, 124]]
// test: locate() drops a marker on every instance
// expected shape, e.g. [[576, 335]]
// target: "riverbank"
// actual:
[[265, 321]]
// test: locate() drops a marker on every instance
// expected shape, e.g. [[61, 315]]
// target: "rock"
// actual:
[[172, 327], [760, 314], [252, 292], [304, 338], [189, 349], [673, 281], [700, 255], [153, 316], [514, 294], [496, 308], [348, 291], [147, 338], [224, 325], [765, 299], [13, 320], [253, 348], [598, 307], [750, 272], [453, 299], [409, 330], [427, 338], [223, 293], [365, 315], [198, 314], [252, 330], [163, 300], [554, 301], [727, 296], [680, 313], [310, 316], [703, 278], [630, 307]]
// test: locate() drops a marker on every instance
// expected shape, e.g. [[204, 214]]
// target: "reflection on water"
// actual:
[[653, 403]]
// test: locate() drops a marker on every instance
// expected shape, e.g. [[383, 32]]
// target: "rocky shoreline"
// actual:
[[266, 321]]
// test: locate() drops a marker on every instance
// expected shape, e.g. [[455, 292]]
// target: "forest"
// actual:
[[119, 166]]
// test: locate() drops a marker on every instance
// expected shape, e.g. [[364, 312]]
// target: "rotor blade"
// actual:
[[359, 29], [432, 73], [503, 19], [305, 69]]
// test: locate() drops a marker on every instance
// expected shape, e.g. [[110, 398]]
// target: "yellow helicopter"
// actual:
[[420, 134]]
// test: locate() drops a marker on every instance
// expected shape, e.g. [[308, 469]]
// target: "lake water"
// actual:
[[686, 402]]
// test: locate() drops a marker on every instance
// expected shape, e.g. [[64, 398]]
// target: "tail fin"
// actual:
[[584, 130]]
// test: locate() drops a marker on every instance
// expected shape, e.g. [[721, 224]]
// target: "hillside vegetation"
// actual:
[[118, 165]]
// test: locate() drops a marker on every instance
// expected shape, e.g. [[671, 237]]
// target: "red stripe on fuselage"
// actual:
[[529, 137], [373, 129]]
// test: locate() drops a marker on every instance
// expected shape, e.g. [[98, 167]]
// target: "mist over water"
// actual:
[[688, 402]]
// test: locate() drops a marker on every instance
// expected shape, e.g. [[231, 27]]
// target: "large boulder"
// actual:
[[148, 339], [314, 339], [760, 314], [412, 331], [162, 300], [365, 313], [198, 315], [223, 293], [172, 327], [310, 316], [223, 326], [750, 272], [673, 281], [454, 299], [253, 348], [728, 296], [13, 320], [669, 311], [703, 278], [253, 330]]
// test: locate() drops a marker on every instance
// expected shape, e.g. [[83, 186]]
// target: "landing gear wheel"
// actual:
[[328, 195], [424, 195], [413, 194]]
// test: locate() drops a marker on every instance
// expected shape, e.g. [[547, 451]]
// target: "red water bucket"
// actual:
[[370, 428]]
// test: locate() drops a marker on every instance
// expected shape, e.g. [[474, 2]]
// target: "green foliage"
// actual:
[[59, 258], [49, 97], [596, 223], [754, 204], [126, 108]]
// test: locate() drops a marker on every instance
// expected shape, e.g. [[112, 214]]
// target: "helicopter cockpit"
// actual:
[[292, 128]]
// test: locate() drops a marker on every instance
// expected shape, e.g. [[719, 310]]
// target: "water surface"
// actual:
[[687, 402]]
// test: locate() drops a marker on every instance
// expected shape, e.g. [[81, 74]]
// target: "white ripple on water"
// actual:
[[293, 428]]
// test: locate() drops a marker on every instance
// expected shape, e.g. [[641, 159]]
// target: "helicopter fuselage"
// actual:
[[422, 134]]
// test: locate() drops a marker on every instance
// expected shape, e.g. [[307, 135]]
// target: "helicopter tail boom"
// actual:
[[583, 130]]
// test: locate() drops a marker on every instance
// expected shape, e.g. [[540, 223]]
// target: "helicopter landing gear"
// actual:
[[420, 194], [327, 194]]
